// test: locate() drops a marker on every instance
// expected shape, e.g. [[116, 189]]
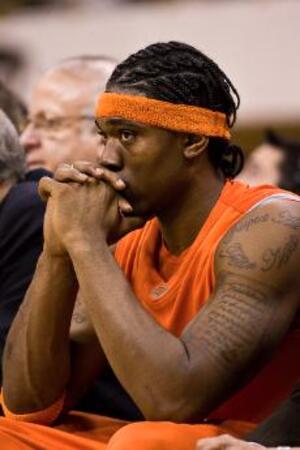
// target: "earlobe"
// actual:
[[195, 145]]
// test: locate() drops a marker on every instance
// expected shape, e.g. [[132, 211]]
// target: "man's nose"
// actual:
[[30, 138], [109, 156]]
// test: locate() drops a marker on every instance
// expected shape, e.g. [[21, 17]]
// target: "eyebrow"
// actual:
[[115, 121]]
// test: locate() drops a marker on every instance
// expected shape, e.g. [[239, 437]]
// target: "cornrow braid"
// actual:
[[179, 73]]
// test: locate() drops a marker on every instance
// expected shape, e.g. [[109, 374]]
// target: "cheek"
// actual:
[[56, 152]]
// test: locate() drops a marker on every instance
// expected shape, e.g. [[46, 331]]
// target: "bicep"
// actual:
[[233, 336], [255, 300]]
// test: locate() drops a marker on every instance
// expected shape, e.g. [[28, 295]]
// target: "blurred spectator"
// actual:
[[12, 62], [13, 107], [21, 226], [61, 123], [275, 161]]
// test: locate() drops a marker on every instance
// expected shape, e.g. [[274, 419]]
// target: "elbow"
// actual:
[[178, 408], [45, 416]]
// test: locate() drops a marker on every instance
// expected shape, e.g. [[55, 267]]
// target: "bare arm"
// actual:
[[37, 353], [41, 361], [255, 300], [51, 347]]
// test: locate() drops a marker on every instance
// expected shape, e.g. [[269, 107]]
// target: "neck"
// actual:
[[5, 186], [182, 221]]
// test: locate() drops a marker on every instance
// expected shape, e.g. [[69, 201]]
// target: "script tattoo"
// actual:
[[278, 257], [235, 326], [283, 218], [286, 218], [236, 256]]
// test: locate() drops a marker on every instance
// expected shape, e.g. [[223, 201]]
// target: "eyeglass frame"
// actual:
[[43, 123]]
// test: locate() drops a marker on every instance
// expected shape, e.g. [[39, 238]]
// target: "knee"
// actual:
[[141, 435]]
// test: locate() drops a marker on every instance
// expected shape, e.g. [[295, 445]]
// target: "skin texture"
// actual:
[[57, 130], [217, 350], [263, 166], [226, 442]]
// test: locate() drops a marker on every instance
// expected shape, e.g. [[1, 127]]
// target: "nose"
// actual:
[[109, 156], [30, 139]]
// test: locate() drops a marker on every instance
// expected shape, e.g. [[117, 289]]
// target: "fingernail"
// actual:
[[98, 171], [83, 177], [127, 208], [120, 183]]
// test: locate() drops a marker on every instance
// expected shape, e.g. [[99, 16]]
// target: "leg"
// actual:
[[166, 435], [79, 431]]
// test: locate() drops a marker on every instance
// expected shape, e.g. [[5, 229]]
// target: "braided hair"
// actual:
[[179, 73]]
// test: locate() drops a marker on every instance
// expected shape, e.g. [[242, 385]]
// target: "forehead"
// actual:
[[60, 94]]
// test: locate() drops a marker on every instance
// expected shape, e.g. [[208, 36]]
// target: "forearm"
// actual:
[[37, 357], [136, 346]]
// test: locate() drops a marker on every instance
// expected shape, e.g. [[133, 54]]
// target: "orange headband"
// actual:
[[156, 113]]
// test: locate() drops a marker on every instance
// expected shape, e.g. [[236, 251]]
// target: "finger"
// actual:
[[124, 206], [66, 173], [215, 443], [110, 177], [45, 187], [86, 167]]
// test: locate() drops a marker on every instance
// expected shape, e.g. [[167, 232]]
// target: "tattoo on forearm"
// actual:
[[79, 314], [235, 326], [236, 256], [278, 257]]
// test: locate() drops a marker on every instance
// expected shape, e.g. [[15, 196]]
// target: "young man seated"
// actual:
[[194, 311]]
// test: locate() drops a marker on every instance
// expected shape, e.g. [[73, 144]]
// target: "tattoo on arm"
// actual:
[[236, 256], [275, 258], [283, 218], [79, 313], [286, 218], [235, 326], [271, 258]]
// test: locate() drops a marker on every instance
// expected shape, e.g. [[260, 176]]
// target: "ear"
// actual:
[[195, 145]]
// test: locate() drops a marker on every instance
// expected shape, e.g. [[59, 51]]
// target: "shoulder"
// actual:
[[23, 205], [264, 244]]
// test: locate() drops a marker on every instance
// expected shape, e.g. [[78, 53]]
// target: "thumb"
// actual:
[[45, 187]]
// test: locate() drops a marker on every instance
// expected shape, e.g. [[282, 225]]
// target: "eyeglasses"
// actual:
[[55, 124]]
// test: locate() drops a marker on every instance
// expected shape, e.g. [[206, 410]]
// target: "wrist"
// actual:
[[57, 258], [95, 245]]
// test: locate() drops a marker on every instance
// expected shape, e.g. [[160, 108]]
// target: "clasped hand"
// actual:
[[85, 206]]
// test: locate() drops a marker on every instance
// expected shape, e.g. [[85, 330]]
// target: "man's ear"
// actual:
[[194, 145]]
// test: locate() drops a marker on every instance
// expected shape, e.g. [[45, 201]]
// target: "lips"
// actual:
[[33, 164]]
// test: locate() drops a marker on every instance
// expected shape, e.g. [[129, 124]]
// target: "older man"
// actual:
[[61, 122], [21, 226], [191, 308]]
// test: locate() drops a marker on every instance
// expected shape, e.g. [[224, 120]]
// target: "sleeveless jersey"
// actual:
[[173, 290]]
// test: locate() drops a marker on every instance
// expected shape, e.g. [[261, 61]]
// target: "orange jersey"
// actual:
[[173, 290]]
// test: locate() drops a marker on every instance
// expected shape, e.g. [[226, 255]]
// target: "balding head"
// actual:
[[62, 108], [80, 79]]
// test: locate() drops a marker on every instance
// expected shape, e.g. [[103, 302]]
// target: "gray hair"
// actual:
[[12, 157]]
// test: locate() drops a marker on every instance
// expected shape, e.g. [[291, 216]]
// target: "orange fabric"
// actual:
[[82, 431], [174, 299], [43, 417], [157, 113]]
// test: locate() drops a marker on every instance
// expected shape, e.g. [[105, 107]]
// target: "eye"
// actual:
[[102, 135], [127, 136]]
